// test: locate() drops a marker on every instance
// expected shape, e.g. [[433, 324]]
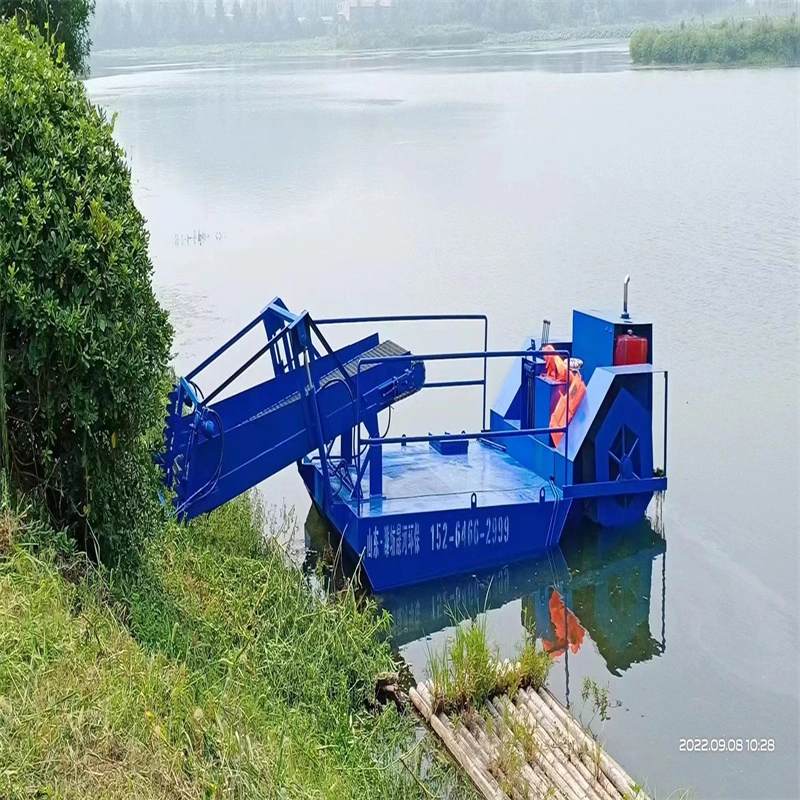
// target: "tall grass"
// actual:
[[763, 40], [468, 670], [214, 672]]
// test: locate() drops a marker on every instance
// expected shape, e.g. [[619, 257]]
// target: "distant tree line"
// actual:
[[131, 23], [520, 15], [763, 40], [122, 23]]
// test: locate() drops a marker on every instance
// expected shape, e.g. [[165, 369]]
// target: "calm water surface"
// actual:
[[522, 185]]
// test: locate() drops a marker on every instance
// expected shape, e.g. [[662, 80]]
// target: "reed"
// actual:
[[764, 40], [467, 671]]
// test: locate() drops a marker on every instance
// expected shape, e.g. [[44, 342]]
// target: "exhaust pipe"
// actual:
[[625, 314]]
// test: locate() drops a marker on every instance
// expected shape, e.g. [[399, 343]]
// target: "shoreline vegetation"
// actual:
[[372, 40], [468, 671], [214, 670], [765, 41], [141, 657]]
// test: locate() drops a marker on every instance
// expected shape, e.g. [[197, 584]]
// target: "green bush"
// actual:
[[66, 20], [84, 344]]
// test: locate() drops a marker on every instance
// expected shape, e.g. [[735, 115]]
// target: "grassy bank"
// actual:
[[462, 35], [762, 41], [377, 40], [215, 671]]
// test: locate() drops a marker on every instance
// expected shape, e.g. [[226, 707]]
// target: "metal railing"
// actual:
[[473, 435], [427, 318]]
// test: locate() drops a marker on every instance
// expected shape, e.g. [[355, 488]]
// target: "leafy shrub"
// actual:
[[66, 20], [84, 343]]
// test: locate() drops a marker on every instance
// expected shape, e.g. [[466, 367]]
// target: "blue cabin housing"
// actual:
[[421, 507]]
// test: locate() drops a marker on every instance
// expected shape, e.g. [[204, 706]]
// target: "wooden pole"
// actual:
[[525, 780], [486, 754], [536, 778], [561, 740], [441, 726], [564, 762], [489, 757], [558, 759], [616, 774], [585, 760], [551, 767], [464, 737], [576, 753]]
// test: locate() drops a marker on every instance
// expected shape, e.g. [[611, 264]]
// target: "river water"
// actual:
[[521, 185]]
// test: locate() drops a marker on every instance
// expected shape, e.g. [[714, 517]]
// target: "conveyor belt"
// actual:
[[385, 349], [215, 451]]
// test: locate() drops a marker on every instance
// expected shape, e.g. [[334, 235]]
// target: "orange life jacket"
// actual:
[[555, 366], [558, 419]]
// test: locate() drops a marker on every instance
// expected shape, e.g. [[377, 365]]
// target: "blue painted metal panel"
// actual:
[[271, 439], [547, 393], [638, 380], [624, 454], [219, 450], [614, 317], [622, 487], [596, 392], [594, 335], [450, 447], [535, 453], [592, 342], [403, 550], [239, 407], [418, 478], [633, 369]]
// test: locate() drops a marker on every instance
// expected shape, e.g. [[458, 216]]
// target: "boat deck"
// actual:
[[417, 478]]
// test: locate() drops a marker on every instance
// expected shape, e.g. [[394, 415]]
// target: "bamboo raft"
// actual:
[[526, 747]]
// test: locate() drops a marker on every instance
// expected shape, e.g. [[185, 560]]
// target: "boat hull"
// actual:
[[418, 545]]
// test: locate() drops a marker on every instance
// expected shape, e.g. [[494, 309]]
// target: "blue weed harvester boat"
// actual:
[[570, 434]]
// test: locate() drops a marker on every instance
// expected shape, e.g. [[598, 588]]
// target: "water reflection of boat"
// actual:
[[596, 584], [610, 592]]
